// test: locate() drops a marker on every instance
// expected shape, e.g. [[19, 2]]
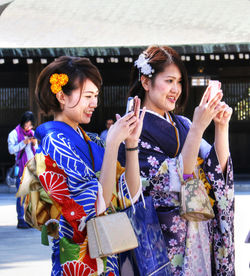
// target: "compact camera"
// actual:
[[215, 87], [130, 105]]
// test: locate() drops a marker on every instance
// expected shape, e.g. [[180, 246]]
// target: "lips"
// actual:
[[171, 99]]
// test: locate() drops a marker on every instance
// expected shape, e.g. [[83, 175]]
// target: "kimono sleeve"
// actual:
[[222, 226]]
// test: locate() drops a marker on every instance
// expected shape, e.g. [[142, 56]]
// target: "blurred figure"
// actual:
[[104, 133], [22, 144]]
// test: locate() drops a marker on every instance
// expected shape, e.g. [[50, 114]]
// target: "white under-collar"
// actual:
[[79, 132], [162, 117]]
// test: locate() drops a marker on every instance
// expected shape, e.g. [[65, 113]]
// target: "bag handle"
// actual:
[[179, 172], [130, 198]]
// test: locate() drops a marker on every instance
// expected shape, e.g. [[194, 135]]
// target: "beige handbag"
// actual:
[[110, 234], [195, 203]]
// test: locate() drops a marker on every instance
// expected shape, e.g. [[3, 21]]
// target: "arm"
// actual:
[[132, 172], [203, 115], [127, 128], [13, 146], [117, 133], [221, 140]]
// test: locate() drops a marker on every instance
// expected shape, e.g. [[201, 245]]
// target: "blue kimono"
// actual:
[[68, 163]]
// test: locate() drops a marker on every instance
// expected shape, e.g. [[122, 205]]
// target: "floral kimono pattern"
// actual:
[[194, 248], [67, 165]]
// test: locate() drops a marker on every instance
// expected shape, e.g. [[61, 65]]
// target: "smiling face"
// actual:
[[79, 110], [162, 94]]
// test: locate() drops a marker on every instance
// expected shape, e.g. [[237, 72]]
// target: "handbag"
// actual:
[[150, 257], [194, 204], [110, 234]]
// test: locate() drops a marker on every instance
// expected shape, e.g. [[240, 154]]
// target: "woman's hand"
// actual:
[[224, 115], [127, 127], [207, 110], [33, 141], [132, 139]]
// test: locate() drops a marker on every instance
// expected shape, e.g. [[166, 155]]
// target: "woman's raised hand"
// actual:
[[132, 139], [224, 115], [207, 109], [127, 127]]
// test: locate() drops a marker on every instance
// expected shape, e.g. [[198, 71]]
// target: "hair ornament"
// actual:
[[57, 81], [142, 63]]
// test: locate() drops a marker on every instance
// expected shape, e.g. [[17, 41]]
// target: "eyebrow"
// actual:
[[90, 91], [170, 76]]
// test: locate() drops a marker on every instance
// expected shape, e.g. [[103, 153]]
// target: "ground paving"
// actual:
[[22, 254]]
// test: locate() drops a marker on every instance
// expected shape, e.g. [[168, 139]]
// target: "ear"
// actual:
[[145, 82], [60, 97]]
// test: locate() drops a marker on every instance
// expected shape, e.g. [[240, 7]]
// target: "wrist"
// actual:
[[221, 127], [196, 130], [132, 149], [131, 143], [113, 145]]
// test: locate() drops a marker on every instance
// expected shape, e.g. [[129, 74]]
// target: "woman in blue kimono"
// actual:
[[160, 81], [80, 177]]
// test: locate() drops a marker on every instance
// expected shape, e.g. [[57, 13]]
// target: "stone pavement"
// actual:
[[22, 254]]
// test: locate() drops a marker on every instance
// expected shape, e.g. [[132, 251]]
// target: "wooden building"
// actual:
[[212, 38]]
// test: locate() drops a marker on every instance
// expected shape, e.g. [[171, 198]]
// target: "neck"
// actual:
[[61, 118]]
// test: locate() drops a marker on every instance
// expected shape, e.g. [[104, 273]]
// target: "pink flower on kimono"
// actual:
[[230, 267], [216, 237], [211, 176], [182, 237], [176, 219], [158, 187], [152, 172], [231, 175], [181, 250], [173, 250], [172, 242], [224, 261], [153, 161], [218, 169], [157, 149], [182, 225], [220, 183], [164, 227], [145, 145], [174, 228]]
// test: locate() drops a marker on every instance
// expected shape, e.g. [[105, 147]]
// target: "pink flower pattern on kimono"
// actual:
[[192, 261]]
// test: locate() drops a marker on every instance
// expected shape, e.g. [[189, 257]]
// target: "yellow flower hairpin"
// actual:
[[57, 81]]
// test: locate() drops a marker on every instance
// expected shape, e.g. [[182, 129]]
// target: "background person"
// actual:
[[69, 162], [109, 123], [160, 80], [22, 144]]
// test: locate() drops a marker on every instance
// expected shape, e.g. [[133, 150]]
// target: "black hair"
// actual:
[[26, 117]]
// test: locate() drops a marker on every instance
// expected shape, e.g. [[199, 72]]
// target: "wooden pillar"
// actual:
[[33, 71]]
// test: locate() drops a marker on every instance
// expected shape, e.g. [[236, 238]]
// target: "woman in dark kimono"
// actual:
[[194, 248]]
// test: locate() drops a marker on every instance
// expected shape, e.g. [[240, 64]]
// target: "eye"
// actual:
[[169, 80]]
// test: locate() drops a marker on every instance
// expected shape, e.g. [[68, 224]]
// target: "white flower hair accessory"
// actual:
[[143, 66]]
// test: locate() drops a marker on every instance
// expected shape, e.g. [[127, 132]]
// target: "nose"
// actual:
[[175, 88], [94, 102]]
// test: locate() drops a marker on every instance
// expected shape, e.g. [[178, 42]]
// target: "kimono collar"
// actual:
[[168, 136]]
